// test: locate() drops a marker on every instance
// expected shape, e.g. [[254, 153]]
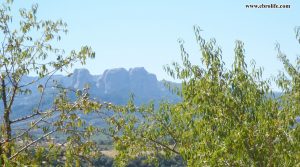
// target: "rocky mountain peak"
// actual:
[[81, 77]]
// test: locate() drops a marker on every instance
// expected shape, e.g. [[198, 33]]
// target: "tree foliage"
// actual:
[[29, 48], [227, 117]]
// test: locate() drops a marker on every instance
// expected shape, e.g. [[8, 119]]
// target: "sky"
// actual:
[[140, 33]]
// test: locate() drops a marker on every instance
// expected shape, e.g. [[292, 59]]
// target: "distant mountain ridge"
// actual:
[[114, 85]]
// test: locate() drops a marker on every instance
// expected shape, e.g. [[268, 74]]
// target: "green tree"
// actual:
[[227, 117], [29, 48]]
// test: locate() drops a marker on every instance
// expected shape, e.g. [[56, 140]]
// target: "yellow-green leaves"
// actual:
[[28, 46], [40, 88], [227, 117]]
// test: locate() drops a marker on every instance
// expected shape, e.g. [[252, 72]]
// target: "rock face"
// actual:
[[115, 81], [116, 85], [81, 77], [144, 85], [113, 85]]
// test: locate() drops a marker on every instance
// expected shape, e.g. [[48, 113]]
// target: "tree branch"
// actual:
[[33, 142], [163, 145]]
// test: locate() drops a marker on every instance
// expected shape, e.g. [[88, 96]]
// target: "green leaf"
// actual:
[[40, 88]]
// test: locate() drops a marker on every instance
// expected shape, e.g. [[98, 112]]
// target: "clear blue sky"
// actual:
[[135, 33]]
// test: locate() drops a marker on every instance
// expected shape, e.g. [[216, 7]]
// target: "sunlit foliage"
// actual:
[[227, 116]]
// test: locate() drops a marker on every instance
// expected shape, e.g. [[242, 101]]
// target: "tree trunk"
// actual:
[[6, 119]]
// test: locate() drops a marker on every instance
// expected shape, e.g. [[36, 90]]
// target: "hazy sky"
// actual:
[[134, 33]]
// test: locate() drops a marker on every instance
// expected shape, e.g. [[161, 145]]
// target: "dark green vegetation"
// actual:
[[227, 117]]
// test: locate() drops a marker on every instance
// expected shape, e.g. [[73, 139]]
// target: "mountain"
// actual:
[[114, 85]]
